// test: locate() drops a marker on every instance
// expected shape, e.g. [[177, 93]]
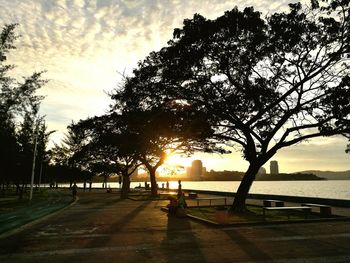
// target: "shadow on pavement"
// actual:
[[249, 247], [119, 224], [180, 244]]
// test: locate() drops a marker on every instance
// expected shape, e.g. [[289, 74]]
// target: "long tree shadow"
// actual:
[[119, 224], [180, 244], [79, 211], [249, 247]]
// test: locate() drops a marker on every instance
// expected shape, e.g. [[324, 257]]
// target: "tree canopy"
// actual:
[[263, 84], [111, 147], [137, 136], [21, 124]]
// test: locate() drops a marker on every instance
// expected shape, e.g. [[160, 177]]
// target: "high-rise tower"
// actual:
[[196, 169], [274, 167]]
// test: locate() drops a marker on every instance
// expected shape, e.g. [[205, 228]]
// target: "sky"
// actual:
[[86, 45]]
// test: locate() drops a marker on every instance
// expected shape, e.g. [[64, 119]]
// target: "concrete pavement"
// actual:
[[102, 228]]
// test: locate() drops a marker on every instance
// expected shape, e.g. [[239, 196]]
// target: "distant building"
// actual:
[[204, 171], [188, 171], [196, 169], [274, 167], [262, 170]]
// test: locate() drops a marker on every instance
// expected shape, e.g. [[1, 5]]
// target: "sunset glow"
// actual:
[[177, 159]]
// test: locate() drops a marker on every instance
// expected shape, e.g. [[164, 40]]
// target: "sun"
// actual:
[[177, 159]]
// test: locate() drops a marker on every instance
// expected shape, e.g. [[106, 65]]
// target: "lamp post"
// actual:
[[33, 166], [40, 173]]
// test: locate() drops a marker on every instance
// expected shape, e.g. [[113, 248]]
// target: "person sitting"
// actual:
[[181, 206], [172, 206], [182, 202]]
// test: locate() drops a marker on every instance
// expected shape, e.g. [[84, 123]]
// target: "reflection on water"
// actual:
[[335, 189]]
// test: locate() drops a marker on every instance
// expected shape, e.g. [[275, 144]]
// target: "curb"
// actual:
[[36, 220]]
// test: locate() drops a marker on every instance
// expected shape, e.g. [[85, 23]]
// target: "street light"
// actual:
[[33, 166]]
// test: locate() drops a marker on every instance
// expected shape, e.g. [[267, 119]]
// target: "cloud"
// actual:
[[83, 43], [327, 153], [131, 29]]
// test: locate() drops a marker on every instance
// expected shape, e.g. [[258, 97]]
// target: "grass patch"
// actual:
[[142, 197], [9, 200], [15, 212], [253, 214], [207, 213], [145, 196]]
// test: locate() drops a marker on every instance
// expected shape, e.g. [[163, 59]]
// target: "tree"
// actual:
[[32, 131], [161, 131], [19, 106], [159, 136], [43, 155], [70, 156], [111, 147], [265, 84], [26, 139]]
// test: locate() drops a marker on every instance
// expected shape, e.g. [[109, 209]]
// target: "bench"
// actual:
[[192, 195], [167, 194], [210, 199], [325, 210], [268, 203], [306, 209]]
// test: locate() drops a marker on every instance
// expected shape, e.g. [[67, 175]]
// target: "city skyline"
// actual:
[[85, 46]]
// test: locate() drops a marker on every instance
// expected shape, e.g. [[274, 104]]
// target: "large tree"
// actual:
[[265, 84], [110, 147], [69, 157], [120, 142], [161, 130], [19, 107]]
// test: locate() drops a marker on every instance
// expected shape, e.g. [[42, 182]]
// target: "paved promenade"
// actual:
[[102, 228]]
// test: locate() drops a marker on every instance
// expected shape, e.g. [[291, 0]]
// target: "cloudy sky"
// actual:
[[84, 45]]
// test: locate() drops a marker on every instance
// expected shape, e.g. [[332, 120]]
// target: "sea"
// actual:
[[332, 189]]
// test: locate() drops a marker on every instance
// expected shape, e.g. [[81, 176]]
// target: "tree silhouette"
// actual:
[[162, 134], [264, 84], [110, 147], [19, 106], [69, 157], [119, 143], [161, 130]]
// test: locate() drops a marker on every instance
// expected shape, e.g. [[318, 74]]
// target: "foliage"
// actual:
[[161, 130], [20, 123], [68, 160], [263, 84], [109, 147]]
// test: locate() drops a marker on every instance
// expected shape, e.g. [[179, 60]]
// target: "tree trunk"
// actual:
[[21, 192], [105, 181], [154, 186], [124, 193], [238, 205]]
